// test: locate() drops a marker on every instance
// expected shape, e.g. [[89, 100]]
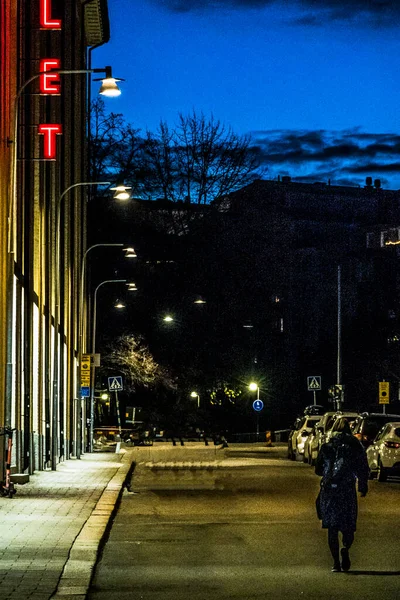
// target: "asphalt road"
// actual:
[[241, 528]]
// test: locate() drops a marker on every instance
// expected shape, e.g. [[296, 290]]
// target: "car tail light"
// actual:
[[392, 444]]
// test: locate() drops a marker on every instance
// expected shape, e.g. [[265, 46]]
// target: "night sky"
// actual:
[[314, 82]]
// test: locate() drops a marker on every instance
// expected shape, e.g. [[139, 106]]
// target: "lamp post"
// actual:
[[196, 395], [93, 379], [109, 88], [255, 387], [57, 359], [80, 328]]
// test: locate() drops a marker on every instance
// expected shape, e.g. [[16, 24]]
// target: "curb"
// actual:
[[77, 573]]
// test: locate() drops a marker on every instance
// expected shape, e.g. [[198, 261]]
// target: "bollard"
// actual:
[[268, 438]]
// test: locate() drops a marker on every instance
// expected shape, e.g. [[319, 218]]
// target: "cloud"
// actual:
[[323, 155], [378, 13]]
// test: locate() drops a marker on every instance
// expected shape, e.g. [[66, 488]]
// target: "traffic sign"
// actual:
[[85, 365], [314, 383], [383, 392], [258, 405], [115, 384], [85, 392]]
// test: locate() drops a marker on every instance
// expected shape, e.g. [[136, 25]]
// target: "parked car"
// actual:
[[323, 427], [301, 431], [311, 446], [384, 453], [338, 422], [367, 425]]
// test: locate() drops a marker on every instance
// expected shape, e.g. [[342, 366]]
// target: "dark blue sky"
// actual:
[[315, 82]]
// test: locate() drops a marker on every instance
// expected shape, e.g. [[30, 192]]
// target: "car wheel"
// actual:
[[382, 472]]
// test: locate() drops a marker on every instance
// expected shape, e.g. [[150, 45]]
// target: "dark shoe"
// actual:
[[336, 568], [346, 564]]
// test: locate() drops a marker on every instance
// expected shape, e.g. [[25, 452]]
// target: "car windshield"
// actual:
[[329, 422], [397, 432], [311, 421]]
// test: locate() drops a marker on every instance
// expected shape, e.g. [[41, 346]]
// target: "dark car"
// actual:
[[367, 425]]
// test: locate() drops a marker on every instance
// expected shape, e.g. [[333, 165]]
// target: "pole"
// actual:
[[57, 329], [118, 446], [339, 332], [80, 326], [93, 379], [315, 397]]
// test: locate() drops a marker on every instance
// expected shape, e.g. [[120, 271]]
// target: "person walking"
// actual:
[[342, 464]]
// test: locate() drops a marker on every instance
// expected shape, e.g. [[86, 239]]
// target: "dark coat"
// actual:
[[338, 496]]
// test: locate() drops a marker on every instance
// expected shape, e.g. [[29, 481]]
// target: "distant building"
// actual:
[[284, 243]]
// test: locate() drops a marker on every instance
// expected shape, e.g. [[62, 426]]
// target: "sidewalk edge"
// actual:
[[78, 570]]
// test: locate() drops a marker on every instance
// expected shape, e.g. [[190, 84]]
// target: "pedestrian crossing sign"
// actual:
[[314, 383], [115, 384]]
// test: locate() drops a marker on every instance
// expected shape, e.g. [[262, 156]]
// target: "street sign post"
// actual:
[[384, 394], [115, 385], [258, 405], [314, 384]]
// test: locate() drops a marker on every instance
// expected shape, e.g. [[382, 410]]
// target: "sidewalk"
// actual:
[[51, 530]]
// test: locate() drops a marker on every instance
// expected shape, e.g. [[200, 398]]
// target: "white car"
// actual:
[[311, 446], [323, 427], [384, 453], [300, 436]]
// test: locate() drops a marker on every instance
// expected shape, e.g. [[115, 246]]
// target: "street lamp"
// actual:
[[254, 387], [81, 328], [93, 378], [196, 395], [58, 360]]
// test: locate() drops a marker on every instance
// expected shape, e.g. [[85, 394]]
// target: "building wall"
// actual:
[[31, 401], [7, 74]]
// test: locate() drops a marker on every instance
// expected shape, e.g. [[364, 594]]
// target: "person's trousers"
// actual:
[[333, 541]]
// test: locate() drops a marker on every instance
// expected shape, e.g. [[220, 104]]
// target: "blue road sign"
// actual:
[[258, 405], [115, 384], [85, 392]]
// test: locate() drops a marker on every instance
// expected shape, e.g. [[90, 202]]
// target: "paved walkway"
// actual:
[[50, 531]]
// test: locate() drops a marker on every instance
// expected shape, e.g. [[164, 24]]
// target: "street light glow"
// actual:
[[121, 192], [253, 387], [168, 318], [130, 253]]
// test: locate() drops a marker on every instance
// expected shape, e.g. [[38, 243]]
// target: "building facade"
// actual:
[[43, 154]]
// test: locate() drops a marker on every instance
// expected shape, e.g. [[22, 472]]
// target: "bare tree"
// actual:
[[199, 160], [131, 357], [195, 162], [116, 148]]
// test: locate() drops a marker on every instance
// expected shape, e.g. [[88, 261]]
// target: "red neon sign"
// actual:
[[50, 131], [49, 83], [46, 21]]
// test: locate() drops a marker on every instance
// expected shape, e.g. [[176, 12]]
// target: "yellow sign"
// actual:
[[85, 366], [383, 392]]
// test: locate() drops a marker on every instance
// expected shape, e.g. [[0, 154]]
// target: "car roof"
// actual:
[[378, 415]]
